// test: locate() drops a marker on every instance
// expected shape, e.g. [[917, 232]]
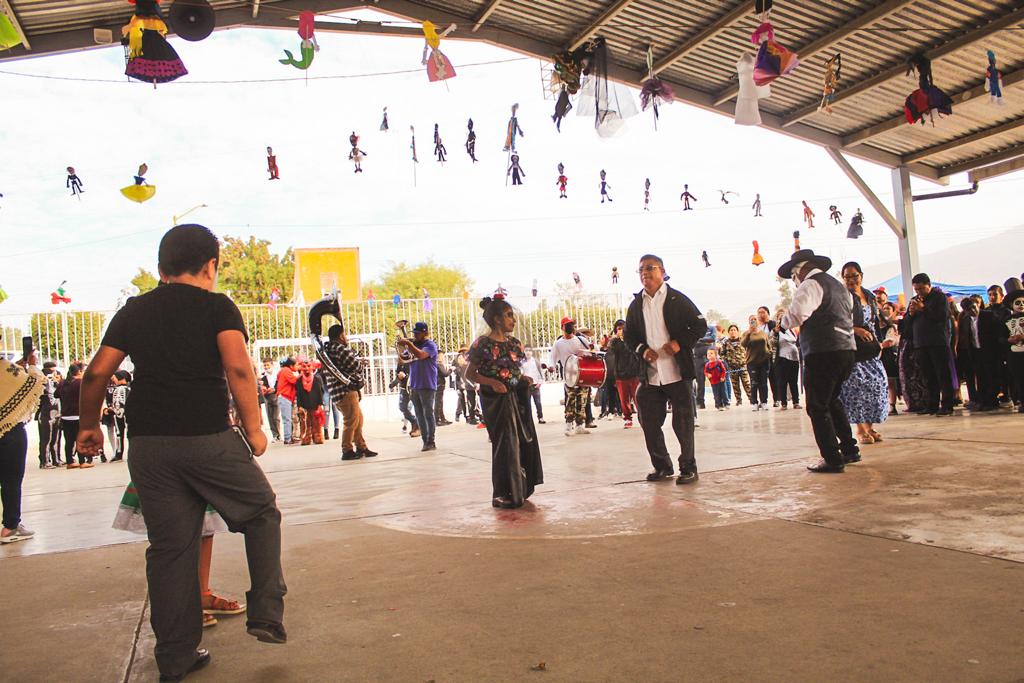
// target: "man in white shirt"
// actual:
[[532, 369], [662, 327], [568, 345], [268, 387]]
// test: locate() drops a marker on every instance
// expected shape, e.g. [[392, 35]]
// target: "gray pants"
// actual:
[[176, 477]]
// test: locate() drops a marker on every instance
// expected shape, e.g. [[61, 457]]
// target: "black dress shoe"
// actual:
[[504, 503], [686, 478], [117, 458], [847, 459], [366, 453], [658, 475], [335, 432], [351, 455], [267, 632], [429, 447], [202, 659], [822, 467]]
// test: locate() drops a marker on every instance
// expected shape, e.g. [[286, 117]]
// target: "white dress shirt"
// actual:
[[806, 301], [563, 348], [531, 368], [665, 370]]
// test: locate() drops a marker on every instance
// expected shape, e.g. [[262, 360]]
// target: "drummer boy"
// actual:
[[571, 343]]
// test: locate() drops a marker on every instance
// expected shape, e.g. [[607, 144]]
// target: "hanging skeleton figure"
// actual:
[[272, 165], [604, 187], [835, 214], [856, 226], [439, 149], [647, 194], [308, 47], [356, 155], [724, 195], [994, 80], [927, 99], [808, 215], [833, 72], [513, 131], [654, 91], [515, 170], [704, 258], [685, 197], [562, 181], [438, 66], [471, 142], [796, 241], [74, 184], [384, 122], [615, 275]]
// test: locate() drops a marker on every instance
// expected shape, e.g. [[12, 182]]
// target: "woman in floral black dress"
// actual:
[[494, 364]]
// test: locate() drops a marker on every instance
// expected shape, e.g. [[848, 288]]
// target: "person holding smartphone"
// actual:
[[21, 385], [188, 345]]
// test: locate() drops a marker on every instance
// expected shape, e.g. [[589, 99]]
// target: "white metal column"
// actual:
[[904, 200]]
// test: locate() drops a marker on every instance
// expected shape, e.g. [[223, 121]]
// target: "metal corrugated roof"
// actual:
[[875, 38]]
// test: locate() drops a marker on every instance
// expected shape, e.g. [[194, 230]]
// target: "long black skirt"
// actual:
[[515, 452]]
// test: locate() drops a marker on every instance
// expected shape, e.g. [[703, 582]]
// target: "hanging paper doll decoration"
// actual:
[[141, 191], [756, 206], [272, 165], [577, 281], [500, 292], [747, 112], [371, 299], [796, 241], [428, 305], [856, 226], [773, 60], [686, 197], [757, 259], [654, 91], [994, 80], [704, 258], [604, 187], [615, 275], [3, 295], [647, 194], [412, 145], [724, 194], [927, 99], [74, 183], [384, 122], [602, 98], [439, 149], [513, 131], [833, 72], [275, 296], [471, 141], [534, 290], [308, 48], [396, 300], [150, 58], [562, 107], [465, 294], [357, 155], [515, 170], [60, 296], [438, 66], [808, 215], [835, 214], [568, 67], [562, 181]]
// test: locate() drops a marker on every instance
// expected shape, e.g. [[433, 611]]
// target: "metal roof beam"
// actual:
[[864, 134], [608, 15], [1011, 152], [983, 134], [986, 172], [866, 190], [900, 69], [815, 46], [488, 11], [6, 8], [731, 17]]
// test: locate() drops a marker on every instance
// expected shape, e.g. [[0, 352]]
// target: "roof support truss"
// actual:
[[983, 134], [737, 13], [986, 172], [866, 190], [483, 16], [617, 8], [1011, 152]]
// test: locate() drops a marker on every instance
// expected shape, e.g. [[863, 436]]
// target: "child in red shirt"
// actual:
[[717, 374]]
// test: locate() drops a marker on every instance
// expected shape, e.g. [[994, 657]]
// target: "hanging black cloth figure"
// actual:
[[927, 99], [704, 257], [439, 149], [835, 214], [856, 226], [516, 171], [384, 122], [562, 107], [73, 183], [471, 142], [604, 188]]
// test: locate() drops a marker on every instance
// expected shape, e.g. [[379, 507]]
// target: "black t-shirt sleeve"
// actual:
[[227, 316], [118, 331]]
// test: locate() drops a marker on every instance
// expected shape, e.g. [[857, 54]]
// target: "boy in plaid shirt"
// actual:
[[346, 396]]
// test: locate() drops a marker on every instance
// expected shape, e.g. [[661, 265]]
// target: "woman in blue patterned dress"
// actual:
[[865, 393]]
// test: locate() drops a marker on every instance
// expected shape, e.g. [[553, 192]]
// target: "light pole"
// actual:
[[177, 218]]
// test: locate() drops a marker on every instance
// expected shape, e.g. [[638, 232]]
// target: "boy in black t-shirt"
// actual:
[[188, 345]]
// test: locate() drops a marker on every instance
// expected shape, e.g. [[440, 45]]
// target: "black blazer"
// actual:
[[685, 325], [931, 324]]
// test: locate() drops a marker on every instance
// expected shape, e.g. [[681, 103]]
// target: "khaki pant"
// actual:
[[352, 416]]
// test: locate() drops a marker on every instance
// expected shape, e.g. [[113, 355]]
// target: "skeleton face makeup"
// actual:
[[1018, 305]]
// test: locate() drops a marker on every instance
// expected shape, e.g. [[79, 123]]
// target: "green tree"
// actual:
[[249, 271], [715, 317], [144, 280], [410, 281], [84, 329]]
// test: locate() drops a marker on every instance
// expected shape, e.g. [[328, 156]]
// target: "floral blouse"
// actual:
[[498, 360]]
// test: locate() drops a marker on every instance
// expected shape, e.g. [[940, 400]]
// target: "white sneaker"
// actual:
[[757, 407], [19, 534], [582, 429], [570, 429], [764, 406]]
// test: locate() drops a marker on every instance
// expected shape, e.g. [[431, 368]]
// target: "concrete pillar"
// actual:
[[904, 201]]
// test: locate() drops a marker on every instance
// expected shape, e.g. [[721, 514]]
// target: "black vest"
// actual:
[[830, 327]]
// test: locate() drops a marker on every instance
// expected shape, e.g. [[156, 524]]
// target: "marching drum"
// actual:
[[585, 371]]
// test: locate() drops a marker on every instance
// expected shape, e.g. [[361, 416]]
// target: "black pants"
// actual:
[[70, 429], [535, 393], [759, 382], [934, 361], [778, 391], [651, 401], [13, 451], [698, 369], [985, 369], [44, 439], [1017, 372], [439, 402], [273, 415], [787, 376], [120, 429], [967, 373], [824, 374]]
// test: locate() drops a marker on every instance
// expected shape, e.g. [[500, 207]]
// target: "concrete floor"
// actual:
[[905, 568]]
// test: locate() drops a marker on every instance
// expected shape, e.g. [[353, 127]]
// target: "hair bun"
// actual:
[[485, 302]]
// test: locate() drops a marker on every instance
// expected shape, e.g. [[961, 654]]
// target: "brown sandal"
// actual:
[[214, 604], [209, 620]]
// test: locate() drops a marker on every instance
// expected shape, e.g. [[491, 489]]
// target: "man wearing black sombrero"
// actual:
[[823, 310]]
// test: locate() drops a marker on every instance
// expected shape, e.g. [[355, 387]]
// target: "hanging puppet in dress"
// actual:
[[856, 226], [471, 141], [428, 305], [74, 183], [275, 296], [562, 181], [357, 155], [272, 165], [927, 99], [371, 299], [647, 194], [993, 80], [685, 197], [412, 146], [439, 149], [534, 289], [725, 195], [608, 102], [747, 112], [150, 58], [513, 131], [833, 71], [60, 296], [705, 259], [757, 258], [568, 68], [438, 66], [756, 206], [796, 241], [773, 60], [654, 91], [384, 127], [835, 214], [808, 215], [140, 191], [604, 187], [577, 280], [308, 48], [615, 275], [396, 300], [515, 170]]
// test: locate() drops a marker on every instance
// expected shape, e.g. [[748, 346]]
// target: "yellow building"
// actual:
[[319, 271]]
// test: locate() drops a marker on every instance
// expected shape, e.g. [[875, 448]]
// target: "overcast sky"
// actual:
[[205, 143]]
